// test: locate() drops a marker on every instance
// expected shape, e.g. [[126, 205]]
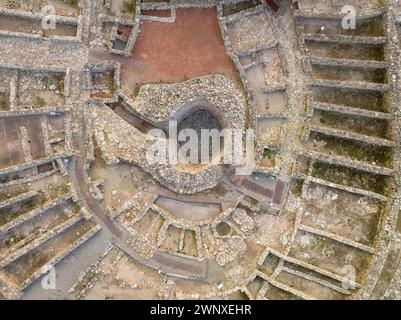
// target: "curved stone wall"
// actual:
[[160, 103]]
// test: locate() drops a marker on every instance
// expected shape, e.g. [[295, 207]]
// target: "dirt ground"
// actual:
[[11, 152], [173, 52]]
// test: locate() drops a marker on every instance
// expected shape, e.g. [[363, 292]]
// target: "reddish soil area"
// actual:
[[174, 52], [11, 152], [157, 13]]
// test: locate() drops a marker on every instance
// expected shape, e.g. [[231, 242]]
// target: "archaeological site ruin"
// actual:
[[312, 88]]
